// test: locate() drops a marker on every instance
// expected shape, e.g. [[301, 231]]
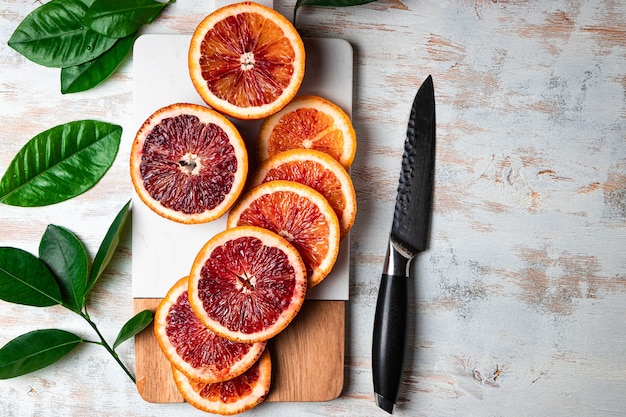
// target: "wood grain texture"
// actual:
[[155, 382], [307, 357], [520, 300]]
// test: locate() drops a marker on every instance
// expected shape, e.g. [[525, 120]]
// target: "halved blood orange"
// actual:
[[309, 122], [319, 171], [247, 284], [246, 60], [192, 348], [229, 397], [298, 213], [188, 163]]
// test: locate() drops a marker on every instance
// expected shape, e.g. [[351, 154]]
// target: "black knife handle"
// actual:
[[389, 339]]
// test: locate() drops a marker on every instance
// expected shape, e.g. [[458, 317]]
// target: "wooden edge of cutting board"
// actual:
[[307, 357]]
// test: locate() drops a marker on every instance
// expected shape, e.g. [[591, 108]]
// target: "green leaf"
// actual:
[[35, 350], [120, 18], [133, 327], [60, 163], [328, 3], [54, 35], [107, 247], [25, 279], [89, 74], [67, 258]]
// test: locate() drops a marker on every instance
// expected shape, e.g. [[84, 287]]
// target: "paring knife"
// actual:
[[408, 237]]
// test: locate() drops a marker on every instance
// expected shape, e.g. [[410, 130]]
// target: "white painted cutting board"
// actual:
[[163, 250]]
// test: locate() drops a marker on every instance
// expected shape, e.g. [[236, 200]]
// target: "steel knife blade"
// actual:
[[409, 236]]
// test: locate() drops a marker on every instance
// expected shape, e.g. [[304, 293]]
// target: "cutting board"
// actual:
[[307, 357]]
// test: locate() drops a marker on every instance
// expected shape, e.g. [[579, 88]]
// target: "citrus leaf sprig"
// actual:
[[328, 3], [60, 163], [87, 39], [59, 276]]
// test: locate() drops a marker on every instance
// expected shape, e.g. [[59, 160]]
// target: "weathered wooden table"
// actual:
[[520, 301]]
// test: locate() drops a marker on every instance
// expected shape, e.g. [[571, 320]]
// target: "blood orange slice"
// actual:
[[229, 397], [301, 215], [319, 171], [188, 163], [247, 284], [192, 348], [246, 60], [309, 122]]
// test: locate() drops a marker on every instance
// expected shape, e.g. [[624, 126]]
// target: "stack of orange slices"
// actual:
[[190, 164], [245, 286]]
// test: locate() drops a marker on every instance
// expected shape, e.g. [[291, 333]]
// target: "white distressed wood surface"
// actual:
[[526, 274]]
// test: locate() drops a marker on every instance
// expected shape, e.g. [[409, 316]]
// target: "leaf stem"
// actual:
[[104, 343]]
